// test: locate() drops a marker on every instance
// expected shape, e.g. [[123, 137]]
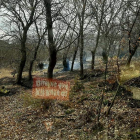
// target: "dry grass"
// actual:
[[5, 73], [128, 73], [66, 116], [28, 100]]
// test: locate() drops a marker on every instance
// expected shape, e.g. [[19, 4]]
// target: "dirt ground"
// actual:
[[23, 118]]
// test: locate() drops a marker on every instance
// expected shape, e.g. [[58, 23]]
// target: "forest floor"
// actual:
[[23, 118]]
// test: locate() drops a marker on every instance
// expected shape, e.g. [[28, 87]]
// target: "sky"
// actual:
[[1, 32]]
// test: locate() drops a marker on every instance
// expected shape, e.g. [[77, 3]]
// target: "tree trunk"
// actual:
[[81, 51], [98, 34], [75, 53], [64, 61], [106, 69], [93, 60], [31, 64], [73, 59], [32, 61], [52, 63], [30, 69], [52, 46], [23, 57], [131, 54], [21, 66], [129, 60], [81, 20]]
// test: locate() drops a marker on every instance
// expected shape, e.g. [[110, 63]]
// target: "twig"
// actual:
[[108, 111], [99, 108]]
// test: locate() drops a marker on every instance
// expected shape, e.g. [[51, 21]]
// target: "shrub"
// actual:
[[59, 123], [35, 103], [69, 111], [78, 85], [82, 98]]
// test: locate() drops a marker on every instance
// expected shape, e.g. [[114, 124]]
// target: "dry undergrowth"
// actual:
[[5, 73], [73, 120]]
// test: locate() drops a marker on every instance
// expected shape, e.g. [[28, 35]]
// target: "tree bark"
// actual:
[[131, 54], [30, 70], [98, 34], [81, 21], [52, 63], [22, 64], [93, 60], [52, 46], [31, 63], [129, 60], [81, 49], [23, 57], [112, 103], [73, 59], [75, 53], [64, 61]]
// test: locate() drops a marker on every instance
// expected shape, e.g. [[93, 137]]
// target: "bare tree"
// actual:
[[80, 6], [40, 36], [21, 14], [53, 45], [99, 20], [75, 52], [133, 35], [105, 15]]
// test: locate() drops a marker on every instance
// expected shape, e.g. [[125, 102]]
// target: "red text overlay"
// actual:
[[50, 89]]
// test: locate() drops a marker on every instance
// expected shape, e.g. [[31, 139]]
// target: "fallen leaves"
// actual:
[[74, 119]]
